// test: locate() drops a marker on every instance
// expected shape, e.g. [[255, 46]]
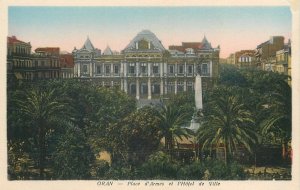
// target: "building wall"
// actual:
[[148, 75], [19, 63], [145, 69]]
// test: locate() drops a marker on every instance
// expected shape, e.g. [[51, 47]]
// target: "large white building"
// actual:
[[145, 69]]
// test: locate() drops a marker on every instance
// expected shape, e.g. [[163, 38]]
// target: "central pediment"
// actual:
[[145, 41]]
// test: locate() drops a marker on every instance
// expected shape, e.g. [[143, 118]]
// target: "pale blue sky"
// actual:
[[233, 28]]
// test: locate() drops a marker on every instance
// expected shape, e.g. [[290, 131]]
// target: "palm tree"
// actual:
[[43, 108], [280, 116], [226, 121], [172, 120]]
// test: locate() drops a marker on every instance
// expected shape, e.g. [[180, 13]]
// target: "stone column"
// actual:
[[161, 86], [112, 83], [210, 69], [185, 71], [125, 69], [125, 86], [122, 69], [166, 68], [103, 70], [112, 69], [149, 88], [184, 85], [149, 69], [137, 65], [91, 69], [75, 70], [79, 65], [175, 86], [166, 87], [137, 89], [161, 69]]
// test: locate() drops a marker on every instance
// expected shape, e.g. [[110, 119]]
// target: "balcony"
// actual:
[[19, 55], [143, 74]]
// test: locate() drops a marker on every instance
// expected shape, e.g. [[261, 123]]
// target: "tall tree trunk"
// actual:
[[169, 144], [42, 147], [225, 154], [284, 150]]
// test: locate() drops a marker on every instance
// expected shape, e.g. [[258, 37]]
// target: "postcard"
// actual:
[[163, 95]]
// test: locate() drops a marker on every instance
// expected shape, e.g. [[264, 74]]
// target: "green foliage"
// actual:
[[193, 171], [19, 161], [101, 168], [159, 166], [218, 170], [44, 109], [227, 122], [134, 138], [172, 118], [122, 173], [230, 76], [49, 122], [73, 156]]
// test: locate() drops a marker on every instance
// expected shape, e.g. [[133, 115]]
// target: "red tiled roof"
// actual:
[[178, 48], [185, 45], [194, 45], [13, 39], [48, 50], [67, 61]]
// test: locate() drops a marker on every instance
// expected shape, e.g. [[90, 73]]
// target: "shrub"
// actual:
[[159, 166], [193, 171], [219, 171], [101, 168]]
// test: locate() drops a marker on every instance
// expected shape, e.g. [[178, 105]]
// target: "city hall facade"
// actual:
[[145, 69]]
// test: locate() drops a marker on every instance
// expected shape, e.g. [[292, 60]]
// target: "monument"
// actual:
[[198, 102]]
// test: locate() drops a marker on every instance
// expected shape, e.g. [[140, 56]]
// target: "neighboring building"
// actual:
[[245, 59], [145, 69], [266, 52], [189, 59], [66, 65], [231, 59], [46, 62], [19, 64], [84, 59], [108, 69], [283, 61]]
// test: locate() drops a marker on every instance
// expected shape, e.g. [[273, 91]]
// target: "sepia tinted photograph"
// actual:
[[149, 93]]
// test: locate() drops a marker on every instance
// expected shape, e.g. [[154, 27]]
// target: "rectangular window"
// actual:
[[143, 68], [180, 86], [171, 87], [155, 68], [116, 69], [190, 86], [190, 69], [107, 69], [131, 68], [171, 69], [98, 71], [84, 69], [204, 69], [180, 69]]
